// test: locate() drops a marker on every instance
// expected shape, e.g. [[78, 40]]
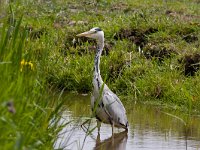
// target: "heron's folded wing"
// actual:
[[114, 107]]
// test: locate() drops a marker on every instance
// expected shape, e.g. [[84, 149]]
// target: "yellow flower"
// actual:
[[26, 63], [31, 65], [22, 62]]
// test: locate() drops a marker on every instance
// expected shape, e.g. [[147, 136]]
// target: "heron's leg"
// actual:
[[98, 140], [113, 132], [113, 128], [98, 125]]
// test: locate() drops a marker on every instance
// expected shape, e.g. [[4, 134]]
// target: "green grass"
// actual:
[[27, 104], [41, 34]]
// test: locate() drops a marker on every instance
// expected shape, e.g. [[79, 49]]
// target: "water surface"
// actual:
[[150, 128]]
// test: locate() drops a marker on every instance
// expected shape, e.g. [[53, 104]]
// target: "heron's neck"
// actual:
[[97, 80]]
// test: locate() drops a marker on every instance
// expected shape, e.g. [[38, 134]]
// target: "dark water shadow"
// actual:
[[117, 141]]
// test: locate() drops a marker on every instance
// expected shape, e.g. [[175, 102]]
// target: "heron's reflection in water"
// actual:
[[117, 141]]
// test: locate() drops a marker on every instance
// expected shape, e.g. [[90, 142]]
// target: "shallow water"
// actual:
[[150, 128]]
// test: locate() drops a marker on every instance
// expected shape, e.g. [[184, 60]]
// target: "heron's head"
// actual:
[[95, 33]]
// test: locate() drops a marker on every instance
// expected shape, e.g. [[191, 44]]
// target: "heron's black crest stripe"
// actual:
[[98, 29]]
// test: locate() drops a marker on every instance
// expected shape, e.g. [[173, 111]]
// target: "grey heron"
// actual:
[[105, 105]]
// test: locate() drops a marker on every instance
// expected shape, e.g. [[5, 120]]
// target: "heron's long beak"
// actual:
[[85, 34]]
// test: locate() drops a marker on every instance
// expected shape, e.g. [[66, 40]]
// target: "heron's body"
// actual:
[[109, 108], [106, 106]]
